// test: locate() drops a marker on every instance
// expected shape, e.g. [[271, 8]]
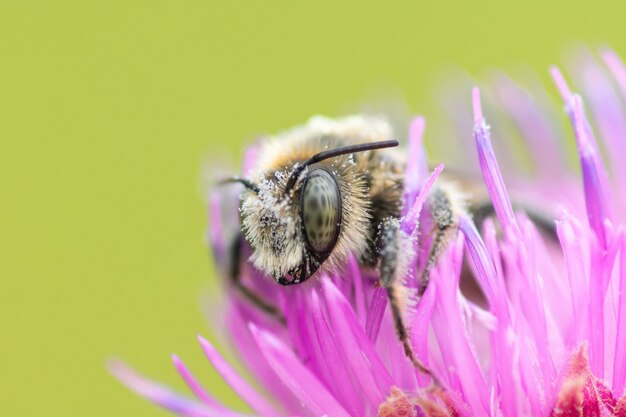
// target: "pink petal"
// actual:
[[238, 384], [296, 314], [486, 275], [374, 379], [461, 366], [359, 292], [163, 396], [243, 342], [569, 234], [619, 364], [305, 386], [419, 330], [502, 347], [409, 222], [606, 106], [250, 159], [489, 166], [617, 68], [595, 179], [597, 193], [194, 385], [416, 169], [535, 127], [375, 313], [561, 84], [334, 364]]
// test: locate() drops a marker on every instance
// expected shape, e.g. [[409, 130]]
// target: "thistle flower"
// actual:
[[549, 340]]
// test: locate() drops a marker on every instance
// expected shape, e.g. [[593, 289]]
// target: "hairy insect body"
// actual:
[[369, 186], [333, 188]]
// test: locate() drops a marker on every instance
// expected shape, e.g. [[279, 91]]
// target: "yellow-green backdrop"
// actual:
[[108, 110]]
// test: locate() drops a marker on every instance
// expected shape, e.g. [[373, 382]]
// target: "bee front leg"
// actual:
[[391, 277], [234, 276]]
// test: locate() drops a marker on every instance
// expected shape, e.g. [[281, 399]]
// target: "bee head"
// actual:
[[293, 221], [272, 226]]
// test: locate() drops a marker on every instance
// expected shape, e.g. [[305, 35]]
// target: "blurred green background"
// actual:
[[110, 109]]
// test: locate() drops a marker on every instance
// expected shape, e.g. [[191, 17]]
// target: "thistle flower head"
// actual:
[[549, 338]]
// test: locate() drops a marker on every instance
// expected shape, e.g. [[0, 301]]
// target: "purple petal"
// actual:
[[577, 274], [359, 292], [238, 384], [489, 166], [561, 84], [243, 342], [522, 271], [250, 159], [296, 315], [599, 205], [334, 364], [619, 365], [419, 330], [617, 68], [305, 386], [194, 385], [391, 352], [489, 282], [608, 112], [602, 264], [461, 365], [534, 126], [597, 192], [416, 169], [410, 222], [163, 396], [375, 313], [503, 351], [374, 379], [493, 248]]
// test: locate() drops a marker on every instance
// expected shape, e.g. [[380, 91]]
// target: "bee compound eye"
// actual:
[[320, 207]]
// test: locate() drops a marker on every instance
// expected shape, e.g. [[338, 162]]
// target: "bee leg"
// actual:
[[234, 275], [442, 212], [391, 280]]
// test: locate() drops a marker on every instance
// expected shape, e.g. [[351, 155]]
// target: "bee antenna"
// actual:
[[246, 183], [331, 153]]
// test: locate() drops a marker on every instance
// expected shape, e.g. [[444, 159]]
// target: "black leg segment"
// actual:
[[234, 275]]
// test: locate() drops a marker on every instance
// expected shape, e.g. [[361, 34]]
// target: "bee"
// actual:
[[334, 188], [330, 189]]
